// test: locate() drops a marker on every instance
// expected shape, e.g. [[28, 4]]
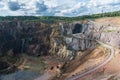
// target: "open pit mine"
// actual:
[[37, 50]]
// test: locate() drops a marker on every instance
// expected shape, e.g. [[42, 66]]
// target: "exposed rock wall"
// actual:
[[25, 37], [79, 39], [64, 39], [81, 36]]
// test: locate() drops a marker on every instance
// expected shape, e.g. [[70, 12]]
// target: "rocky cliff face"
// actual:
[[64, 39], [79, 36], [25, 37]]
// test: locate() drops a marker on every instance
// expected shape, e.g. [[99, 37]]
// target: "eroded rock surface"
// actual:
[[64, 39], [25, 37]]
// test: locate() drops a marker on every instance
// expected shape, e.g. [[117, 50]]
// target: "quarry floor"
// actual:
[[34, 68], [46, 68]]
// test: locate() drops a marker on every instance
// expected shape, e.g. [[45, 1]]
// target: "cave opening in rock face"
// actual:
[[77, 28]]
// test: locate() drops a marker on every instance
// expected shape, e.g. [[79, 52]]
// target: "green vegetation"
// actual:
[[59, 18], [110, 30]]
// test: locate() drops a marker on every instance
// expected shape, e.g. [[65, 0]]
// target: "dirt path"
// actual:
[[99, 66]]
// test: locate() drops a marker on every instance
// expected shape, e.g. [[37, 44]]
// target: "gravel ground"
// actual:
[[20, 75]]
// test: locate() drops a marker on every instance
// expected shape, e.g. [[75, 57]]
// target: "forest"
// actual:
[[59, 18]]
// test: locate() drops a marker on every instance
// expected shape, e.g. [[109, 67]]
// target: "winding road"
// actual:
[[99, 66]]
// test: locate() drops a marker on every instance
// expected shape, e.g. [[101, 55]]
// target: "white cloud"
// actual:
[[57, 7], [72, 9], [51, 3]]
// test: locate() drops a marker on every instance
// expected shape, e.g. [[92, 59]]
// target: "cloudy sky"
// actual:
[[56, 7]]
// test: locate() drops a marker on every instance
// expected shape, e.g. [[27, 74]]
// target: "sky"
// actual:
[[68, 8]]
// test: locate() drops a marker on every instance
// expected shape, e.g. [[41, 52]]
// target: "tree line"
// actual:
[[59, 18]]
